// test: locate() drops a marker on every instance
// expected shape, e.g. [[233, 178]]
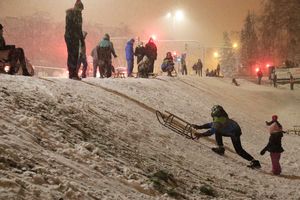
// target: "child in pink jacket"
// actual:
[[274, 145]]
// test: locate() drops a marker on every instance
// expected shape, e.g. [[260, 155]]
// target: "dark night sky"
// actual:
[[205, 20]]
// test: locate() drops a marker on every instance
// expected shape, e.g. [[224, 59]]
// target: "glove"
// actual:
[[198, 135], [262, 152], [115, 56]]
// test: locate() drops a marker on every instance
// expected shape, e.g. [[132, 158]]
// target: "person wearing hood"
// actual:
[[129, 57], [168, 64], [15, 55], [73, 37], [223, 126], [105, 51], [151, 53]]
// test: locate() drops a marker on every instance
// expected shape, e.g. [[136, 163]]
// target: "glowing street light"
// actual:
[[168, 15], [179, 16], [216, 54], [235, 45]]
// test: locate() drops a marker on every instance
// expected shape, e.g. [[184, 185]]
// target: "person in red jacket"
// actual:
[[274, 145], [259, 76]]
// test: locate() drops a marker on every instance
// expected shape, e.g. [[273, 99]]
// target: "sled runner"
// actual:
[[176, 124]]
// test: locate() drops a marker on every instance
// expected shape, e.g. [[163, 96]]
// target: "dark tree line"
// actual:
[[273, 36]]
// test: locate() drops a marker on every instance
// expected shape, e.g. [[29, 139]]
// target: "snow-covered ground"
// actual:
[[100, 139]]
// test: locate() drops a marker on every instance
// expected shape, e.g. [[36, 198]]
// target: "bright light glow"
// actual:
[[174, 53], [154, 37], [168, 15], [6, 68], [216, 54], [257, 69], [268, 65], [179, 16], [235, 45]]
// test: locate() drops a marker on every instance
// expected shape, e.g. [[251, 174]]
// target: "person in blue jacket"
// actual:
[[129, 57], [221, 126]]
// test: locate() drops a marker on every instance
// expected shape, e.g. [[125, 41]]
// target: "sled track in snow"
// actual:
[[152, 110]]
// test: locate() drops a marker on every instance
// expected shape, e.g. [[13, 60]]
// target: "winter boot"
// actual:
[[254, 164], [219, 150]]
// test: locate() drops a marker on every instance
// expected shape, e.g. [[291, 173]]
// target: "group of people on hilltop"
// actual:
[[222, 126], [146, 56], [214, 72]]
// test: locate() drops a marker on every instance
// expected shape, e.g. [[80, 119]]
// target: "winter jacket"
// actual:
[[151, 51], [259, 74], [106, 49], [274, 144], [73, 29], [129, 50], [224, 126], [167, 65], [139, 53], [275, 126]]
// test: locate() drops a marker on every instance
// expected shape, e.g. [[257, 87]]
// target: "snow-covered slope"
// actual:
[[100, 139]]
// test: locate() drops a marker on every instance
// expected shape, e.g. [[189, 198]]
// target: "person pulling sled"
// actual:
[[221, 126]]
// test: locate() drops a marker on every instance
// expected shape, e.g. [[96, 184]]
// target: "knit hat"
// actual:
[[79, 5], [274, 118]]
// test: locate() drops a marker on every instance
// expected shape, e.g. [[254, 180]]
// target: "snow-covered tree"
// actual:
[[249, 42], [280, 30], [227, 57]]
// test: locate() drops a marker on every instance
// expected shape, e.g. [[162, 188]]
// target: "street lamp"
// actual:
[[216, 54], [176, 16], [179, 16], [235, 45]]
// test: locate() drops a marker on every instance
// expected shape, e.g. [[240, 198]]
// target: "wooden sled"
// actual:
[[176, 124]]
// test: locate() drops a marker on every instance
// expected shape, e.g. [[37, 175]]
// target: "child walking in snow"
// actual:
[[274, 145]]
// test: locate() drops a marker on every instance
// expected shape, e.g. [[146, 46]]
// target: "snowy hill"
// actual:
[[100, 139]]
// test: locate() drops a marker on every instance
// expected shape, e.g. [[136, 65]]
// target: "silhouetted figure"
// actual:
[[218, 70], [73, 34], [82, 57], [235, 82], [139, 52], [151, 53], [105, 51], [259, 76], [183, 64], [129, 57]]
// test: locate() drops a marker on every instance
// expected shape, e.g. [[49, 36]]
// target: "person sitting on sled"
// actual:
[[221, 126]]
